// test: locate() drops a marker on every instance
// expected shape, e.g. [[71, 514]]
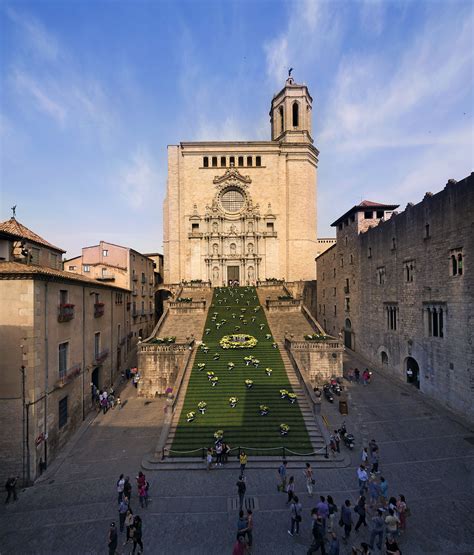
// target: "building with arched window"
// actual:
[[245, 211]]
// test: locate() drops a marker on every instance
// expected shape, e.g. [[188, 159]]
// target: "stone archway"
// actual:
[[348, 333], [412, 370], [384, 358]]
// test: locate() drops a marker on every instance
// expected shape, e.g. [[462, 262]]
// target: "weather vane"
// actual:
[[289, 71], [13, 209]]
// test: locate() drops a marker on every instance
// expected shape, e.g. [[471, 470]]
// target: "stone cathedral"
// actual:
[[245, 211]]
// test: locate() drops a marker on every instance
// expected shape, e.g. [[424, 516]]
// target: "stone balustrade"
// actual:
[[176, 307], [284, 305]]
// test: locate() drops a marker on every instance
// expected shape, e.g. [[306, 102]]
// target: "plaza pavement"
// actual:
[[424, 455]]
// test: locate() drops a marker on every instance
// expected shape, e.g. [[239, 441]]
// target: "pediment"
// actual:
[[232, 176]]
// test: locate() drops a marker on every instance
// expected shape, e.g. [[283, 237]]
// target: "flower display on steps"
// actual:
[[264, 410], [214, 381], [216, 356], [284, 429], [248, 360], [233, 402], [190, 416], [230, 365], [202, 405], [201, 366], [249, 384], [283, 393], [218, 435], [268, 371], [210, 375], [292, 398]]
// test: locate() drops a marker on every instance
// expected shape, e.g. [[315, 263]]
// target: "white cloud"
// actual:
[[36, 36], [372, 15], [138, 181]]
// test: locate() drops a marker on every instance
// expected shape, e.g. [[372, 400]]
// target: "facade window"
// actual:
[[346, 287], [334, 272], [427, 231], [324, 310], [63, 355], [62, 410], [392, 316], [409, 271], [86, 268], [241, 161], [281, 119], [345, 240], [143, 309], [249, 161], [35, 255], [232, 161], [335, 310], [53, 258], [342, 262], [347, 304], [96, 344], [71, 268], [351, 259], [370, 253], [334, 292], [340, 226], [457, 262], [368, 215], [223, 161], [353, 218], [194, 227], [270, 227], [379, 213], [63, 297], [118, 298], [324, 276], [295, 114], [205, 162], [324, 293], [435, 320], [394, 243], [325, 326], [381, 275], [214, 161], [105, 252], [320, 309], [258, 161]]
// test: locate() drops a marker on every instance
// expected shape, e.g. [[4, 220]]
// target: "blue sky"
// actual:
[[93, 92]]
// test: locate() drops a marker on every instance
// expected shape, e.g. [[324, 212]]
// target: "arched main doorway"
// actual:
[[384, 357], [412, 372], [348, 333]]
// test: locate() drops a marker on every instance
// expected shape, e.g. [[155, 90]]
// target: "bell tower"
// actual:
[[290, 113]]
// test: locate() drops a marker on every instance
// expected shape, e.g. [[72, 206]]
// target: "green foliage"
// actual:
[[242, 425]]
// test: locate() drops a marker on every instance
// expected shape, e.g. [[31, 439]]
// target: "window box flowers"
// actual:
[[268, 371], [283, 393], [190, 416], [214, 381], [249, 384], [233, 402], [202, 405], [284, 429], [292, 398], [264, 410], [238, 341]]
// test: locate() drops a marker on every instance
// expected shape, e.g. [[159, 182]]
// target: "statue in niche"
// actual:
[[233, 229], [215, 249], [251, 274], [215, 274], [233, 248], [215, 227], [250, 248], [250, 227]]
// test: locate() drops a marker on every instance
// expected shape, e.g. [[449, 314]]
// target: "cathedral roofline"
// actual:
[[279, 145]]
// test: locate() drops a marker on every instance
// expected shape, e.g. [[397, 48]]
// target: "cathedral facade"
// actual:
[[245, 211]]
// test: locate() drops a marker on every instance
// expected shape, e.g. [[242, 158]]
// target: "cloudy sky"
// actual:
[[93, 92]]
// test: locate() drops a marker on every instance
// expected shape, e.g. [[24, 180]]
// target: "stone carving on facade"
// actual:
[[232, 176]]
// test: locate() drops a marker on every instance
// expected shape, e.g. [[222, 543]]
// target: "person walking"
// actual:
[[332, 513], [143, 496], [372, 446], [357, 375], [290, 489], [374, 491], [10, 486], [127, 488], [337, 439], [249, 529], [242, 523], [295, 512], [377, 530], [334, 545], [346, 519], [120, 486], [128, 525], [383, 491], [375, 458], [308, 473], [323, 511], [136, 532], [112, 539], [282, 476], [243, 461], [365, 376], [402, 512], [219, 449], [361, 510], [364, 456], [209, 459], [318, 536], [241, 489], [240, 546], [123, 509], [392, 523], [391, 546], [363, 478]]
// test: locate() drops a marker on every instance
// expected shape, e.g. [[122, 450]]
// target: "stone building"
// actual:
[[400, 289], [245, 211], [124, 267], [58, 333]]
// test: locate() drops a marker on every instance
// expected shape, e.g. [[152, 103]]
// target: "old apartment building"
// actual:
[[59, 333], [400, 289], [126, 268]]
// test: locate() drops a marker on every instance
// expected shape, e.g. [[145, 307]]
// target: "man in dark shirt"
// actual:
[[318, 534]]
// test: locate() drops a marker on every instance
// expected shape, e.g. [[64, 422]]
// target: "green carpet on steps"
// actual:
[[243, 426]]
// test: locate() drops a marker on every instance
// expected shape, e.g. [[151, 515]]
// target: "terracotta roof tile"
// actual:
[[14, 228], [9, 269]]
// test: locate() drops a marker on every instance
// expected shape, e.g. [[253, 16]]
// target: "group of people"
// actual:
[[105, 399], [354, 374], [128, 521], [243, 543]]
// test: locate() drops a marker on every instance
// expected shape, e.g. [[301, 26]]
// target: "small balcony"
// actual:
[[129, 304], [101, 356], [65, 312], [143, 278], [134, 313], [99, 309], [106, 276], [69, 375], [134, 277], [346, 289], [134, 292]]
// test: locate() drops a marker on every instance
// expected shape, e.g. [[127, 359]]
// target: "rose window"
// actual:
[[232, 201]]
